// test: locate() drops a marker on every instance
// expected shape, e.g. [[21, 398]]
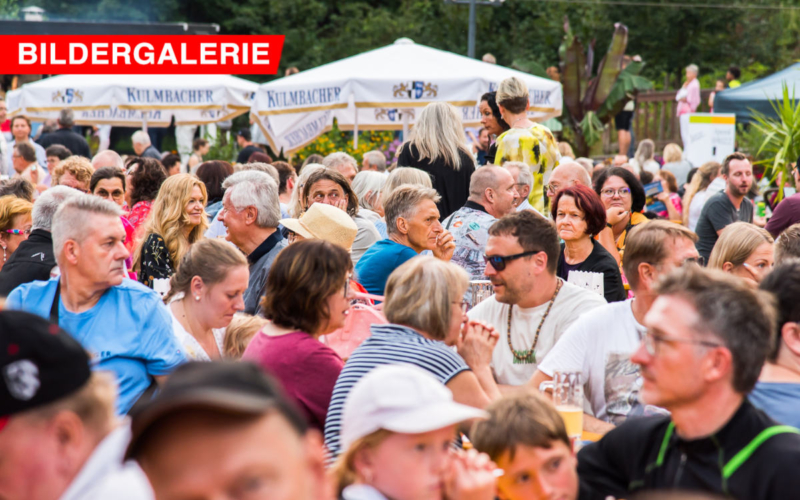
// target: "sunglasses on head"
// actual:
[[499, 262]]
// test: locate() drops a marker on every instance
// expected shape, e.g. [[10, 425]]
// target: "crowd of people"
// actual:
[[247, 329]]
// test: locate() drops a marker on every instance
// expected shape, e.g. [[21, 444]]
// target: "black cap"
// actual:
[[232, 387], [39, 363], [244, 133]]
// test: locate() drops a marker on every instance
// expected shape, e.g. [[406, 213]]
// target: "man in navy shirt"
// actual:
[[412, 223]]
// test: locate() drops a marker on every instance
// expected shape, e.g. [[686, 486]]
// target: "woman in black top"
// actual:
[[579, 216], [493, 122], [438, 146]]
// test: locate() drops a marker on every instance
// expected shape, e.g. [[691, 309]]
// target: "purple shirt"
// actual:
[[786, 213], [306, 368]]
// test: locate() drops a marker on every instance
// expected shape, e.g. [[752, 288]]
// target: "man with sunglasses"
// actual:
[[787, 212], [600, 343], [708, 335], [531, 307]]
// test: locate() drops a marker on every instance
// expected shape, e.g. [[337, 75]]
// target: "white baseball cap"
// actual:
[[400, 398]]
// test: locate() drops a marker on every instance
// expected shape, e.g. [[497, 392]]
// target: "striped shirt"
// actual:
[[388, 345]]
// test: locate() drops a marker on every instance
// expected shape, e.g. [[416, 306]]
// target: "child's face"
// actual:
[[539, 474]]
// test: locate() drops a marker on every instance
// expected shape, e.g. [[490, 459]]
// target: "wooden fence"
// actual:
[[655, 117]]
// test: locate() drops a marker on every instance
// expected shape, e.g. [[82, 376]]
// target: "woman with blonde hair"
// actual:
[[674, 163], [177, 220], [15, 224], [643, 159], [206, 291], [698, 192], [744, 250], [427, 318], [438, 146], [526, 141]]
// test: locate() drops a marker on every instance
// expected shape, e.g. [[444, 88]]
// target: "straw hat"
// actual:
[[324, 222]]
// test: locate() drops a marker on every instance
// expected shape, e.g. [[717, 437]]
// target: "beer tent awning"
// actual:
[[384, 89], [756, 95], [135, 100]]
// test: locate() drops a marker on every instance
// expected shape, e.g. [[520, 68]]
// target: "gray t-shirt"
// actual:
[[718, 213]]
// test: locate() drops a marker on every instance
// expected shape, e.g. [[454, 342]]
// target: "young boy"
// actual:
[[526, 438]]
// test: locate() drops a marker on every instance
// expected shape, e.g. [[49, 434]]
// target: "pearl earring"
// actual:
[[197, 298]]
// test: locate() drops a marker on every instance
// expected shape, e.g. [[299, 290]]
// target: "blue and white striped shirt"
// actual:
[[388, 345]]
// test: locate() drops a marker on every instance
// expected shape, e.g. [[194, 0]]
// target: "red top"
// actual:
[[306, 368]]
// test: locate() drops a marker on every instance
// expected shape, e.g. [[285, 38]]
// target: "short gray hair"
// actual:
[[44, 208], [261, 167], [141, 137], [404, 202], [66, 118], [333, 160], [525, 175], [252, 188], [108, 158], [376, 159], [367, 185], [693, 68], [72, 222]]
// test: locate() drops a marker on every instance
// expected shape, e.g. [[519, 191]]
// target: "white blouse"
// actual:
[[191, 347]]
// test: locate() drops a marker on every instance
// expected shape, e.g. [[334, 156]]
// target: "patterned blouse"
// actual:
[[537, 148], [155, 261]]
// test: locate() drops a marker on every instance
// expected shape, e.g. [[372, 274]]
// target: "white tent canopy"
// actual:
[[382, 90], [135, 100]]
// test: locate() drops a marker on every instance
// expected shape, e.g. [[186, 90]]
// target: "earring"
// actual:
[[197, 298], [4, 254]]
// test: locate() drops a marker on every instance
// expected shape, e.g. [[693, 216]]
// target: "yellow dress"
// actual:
[[537, 148]]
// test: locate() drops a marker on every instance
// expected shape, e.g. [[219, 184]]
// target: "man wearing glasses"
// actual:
[[566, 175], [708, 335], [531, 307], [600, 343], [787, 212]]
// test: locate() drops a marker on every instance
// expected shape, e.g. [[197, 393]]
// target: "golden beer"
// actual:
[[573, 419]]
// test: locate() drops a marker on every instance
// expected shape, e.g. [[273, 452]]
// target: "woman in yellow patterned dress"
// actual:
[[526, 141]]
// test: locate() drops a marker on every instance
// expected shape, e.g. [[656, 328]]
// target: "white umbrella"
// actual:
[[382, 90], [135, 100]]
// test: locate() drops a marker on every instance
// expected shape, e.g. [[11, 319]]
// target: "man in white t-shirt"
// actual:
[[531, 307], [601, 342]]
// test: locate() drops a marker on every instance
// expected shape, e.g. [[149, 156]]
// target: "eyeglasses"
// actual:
[[463, 304], [650, 341], [700, 261], [19, 231], [621, 192], [499, 262], [552, 188]]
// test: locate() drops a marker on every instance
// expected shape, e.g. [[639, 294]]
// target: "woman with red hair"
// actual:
[[580, 216]]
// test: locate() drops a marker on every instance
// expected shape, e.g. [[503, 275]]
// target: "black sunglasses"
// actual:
[[499, 262]]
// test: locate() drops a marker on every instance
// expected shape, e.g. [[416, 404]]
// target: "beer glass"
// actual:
[[479, 290], [568, 399]]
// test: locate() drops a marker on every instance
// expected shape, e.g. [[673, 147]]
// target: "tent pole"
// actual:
[[405, 124], [355, 131], [144, 121]]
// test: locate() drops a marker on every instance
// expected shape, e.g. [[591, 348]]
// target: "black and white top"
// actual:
[[388, 345]]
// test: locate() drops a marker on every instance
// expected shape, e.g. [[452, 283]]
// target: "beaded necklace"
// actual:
[[529, 356]]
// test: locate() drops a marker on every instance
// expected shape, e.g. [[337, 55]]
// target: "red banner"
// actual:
[[134, 54]]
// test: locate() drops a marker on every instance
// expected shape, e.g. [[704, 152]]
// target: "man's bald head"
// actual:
[[494, 188], [107, 158], [568, 174]]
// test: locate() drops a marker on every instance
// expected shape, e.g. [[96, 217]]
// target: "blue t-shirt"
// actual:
[[378, 262], [779, 400], [128, 332]]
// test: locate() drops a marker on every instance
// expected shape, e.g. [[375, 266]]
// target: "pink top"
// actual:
[[692, 99], [138, 215], [306, 368]]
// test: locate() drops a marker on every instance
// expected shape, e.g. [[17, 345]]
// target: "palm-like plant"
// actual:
[[591, 102], [781, 138]]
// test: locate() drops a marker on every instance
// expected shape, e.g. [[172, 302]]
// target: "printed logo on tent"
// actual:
[[414, 90], [68, 96], [391, 115]]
